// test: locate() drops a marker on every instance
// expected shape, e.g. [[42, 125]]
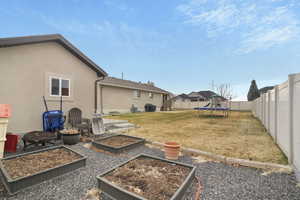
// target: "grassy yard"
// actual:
[[240, 135]]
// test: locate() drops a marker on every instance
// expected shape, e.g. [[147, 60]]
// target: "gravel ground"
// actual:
[[219, 181]]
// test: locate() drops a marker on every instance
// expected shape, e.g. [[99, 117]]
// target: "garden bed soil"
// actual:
[[33, 163], [150, 178], [118, 141]]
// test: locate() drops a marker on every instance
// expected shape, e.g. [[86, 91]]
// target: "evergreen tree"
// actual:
[[253, 91]]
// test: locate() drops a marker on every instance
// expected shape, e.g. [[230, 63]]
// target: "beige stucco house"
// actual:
[[118, 95], [46, 65]]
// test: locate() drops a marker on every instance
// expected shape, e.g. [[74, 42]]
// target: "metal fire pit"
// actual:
[[15, 185], [119, 193], [97, 144]]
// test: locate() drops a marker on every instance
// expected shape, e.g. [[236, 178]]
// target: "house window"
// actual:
[[137, 93], [59, 87], [65, 87], [55, 87], [151, 95]]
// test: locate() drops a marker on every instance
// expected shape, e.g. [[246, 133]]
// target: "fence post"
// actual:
[[276, 113], [265, 113], [269, 110], [262, 109], [291, 105]]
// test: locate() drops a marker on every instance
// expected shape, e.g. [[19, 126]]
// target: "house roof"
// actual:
[[266, 89], [206, 95], [116, 82], [15, 41], [195, 95], [182, 96]]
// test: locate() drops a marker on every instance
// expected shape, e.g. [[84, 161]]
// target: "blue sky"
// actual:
[[181, 45]]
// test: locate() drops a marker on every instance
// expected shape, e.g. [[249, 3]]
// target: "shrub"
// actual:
[[150, 107], [253, 91]]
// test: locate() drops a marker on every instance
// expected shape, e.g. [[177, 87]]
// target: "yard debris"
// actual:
[[199, 189], [85, 139], [152, 146], [87, 145], [235, 164], [93, 194], [201, 159]]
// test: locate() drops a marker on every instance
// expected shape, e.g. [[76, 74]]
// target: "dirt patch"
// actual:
[[33, 163], [149, 178], [93, 148], [118, 141]]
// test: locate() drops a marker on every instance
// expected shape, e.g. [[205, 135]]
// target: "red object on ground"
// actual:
[[11, 143], [5, 110]]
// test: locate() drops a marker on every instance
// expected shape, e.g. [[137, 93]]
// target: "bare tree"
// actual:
[[225, 90]]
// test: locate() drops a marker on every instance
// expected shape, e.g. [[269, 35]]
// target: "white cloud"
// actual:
[[268, 38], [260, 25]]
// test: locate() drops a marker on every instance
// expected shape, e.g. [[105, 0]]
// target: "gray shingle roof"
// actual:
[[111, 81], [201, 95]]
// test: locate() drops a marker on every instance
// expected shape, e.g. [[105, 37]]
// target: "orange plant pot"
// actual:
[[172, 150], [5, 111]]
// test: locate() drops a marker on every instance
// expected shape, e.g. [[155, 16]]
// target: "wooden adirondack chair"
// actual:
[[76, 120]]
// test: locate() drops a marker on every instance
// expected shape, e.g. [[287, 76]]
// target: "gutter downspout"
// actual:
[[96, 94]]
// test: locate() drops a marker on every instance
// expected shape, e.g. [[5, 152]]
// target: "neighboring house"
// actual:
[[194, 99], [196, 96], [181, 98], [181, 101], [204, 95], [265, 89], [118, 95], [46, 65]]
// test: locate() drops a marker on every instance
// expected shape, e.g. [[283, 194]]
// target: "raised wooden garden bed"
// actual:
[[24, 170], [147, 178], [118, 143]]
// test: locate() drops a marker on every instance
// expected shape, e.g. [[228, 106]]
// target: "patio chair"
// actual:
[[76, 120]]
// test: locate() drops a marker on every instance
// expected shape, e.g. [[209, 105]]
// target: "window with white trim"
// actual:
[[59, 87], [150, 95], [137, 93]]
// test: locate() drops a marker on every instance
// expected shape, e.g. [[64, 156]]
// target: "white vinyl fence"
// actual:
[[279, 111], [188, 104], [240, 105], [234, 105]]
